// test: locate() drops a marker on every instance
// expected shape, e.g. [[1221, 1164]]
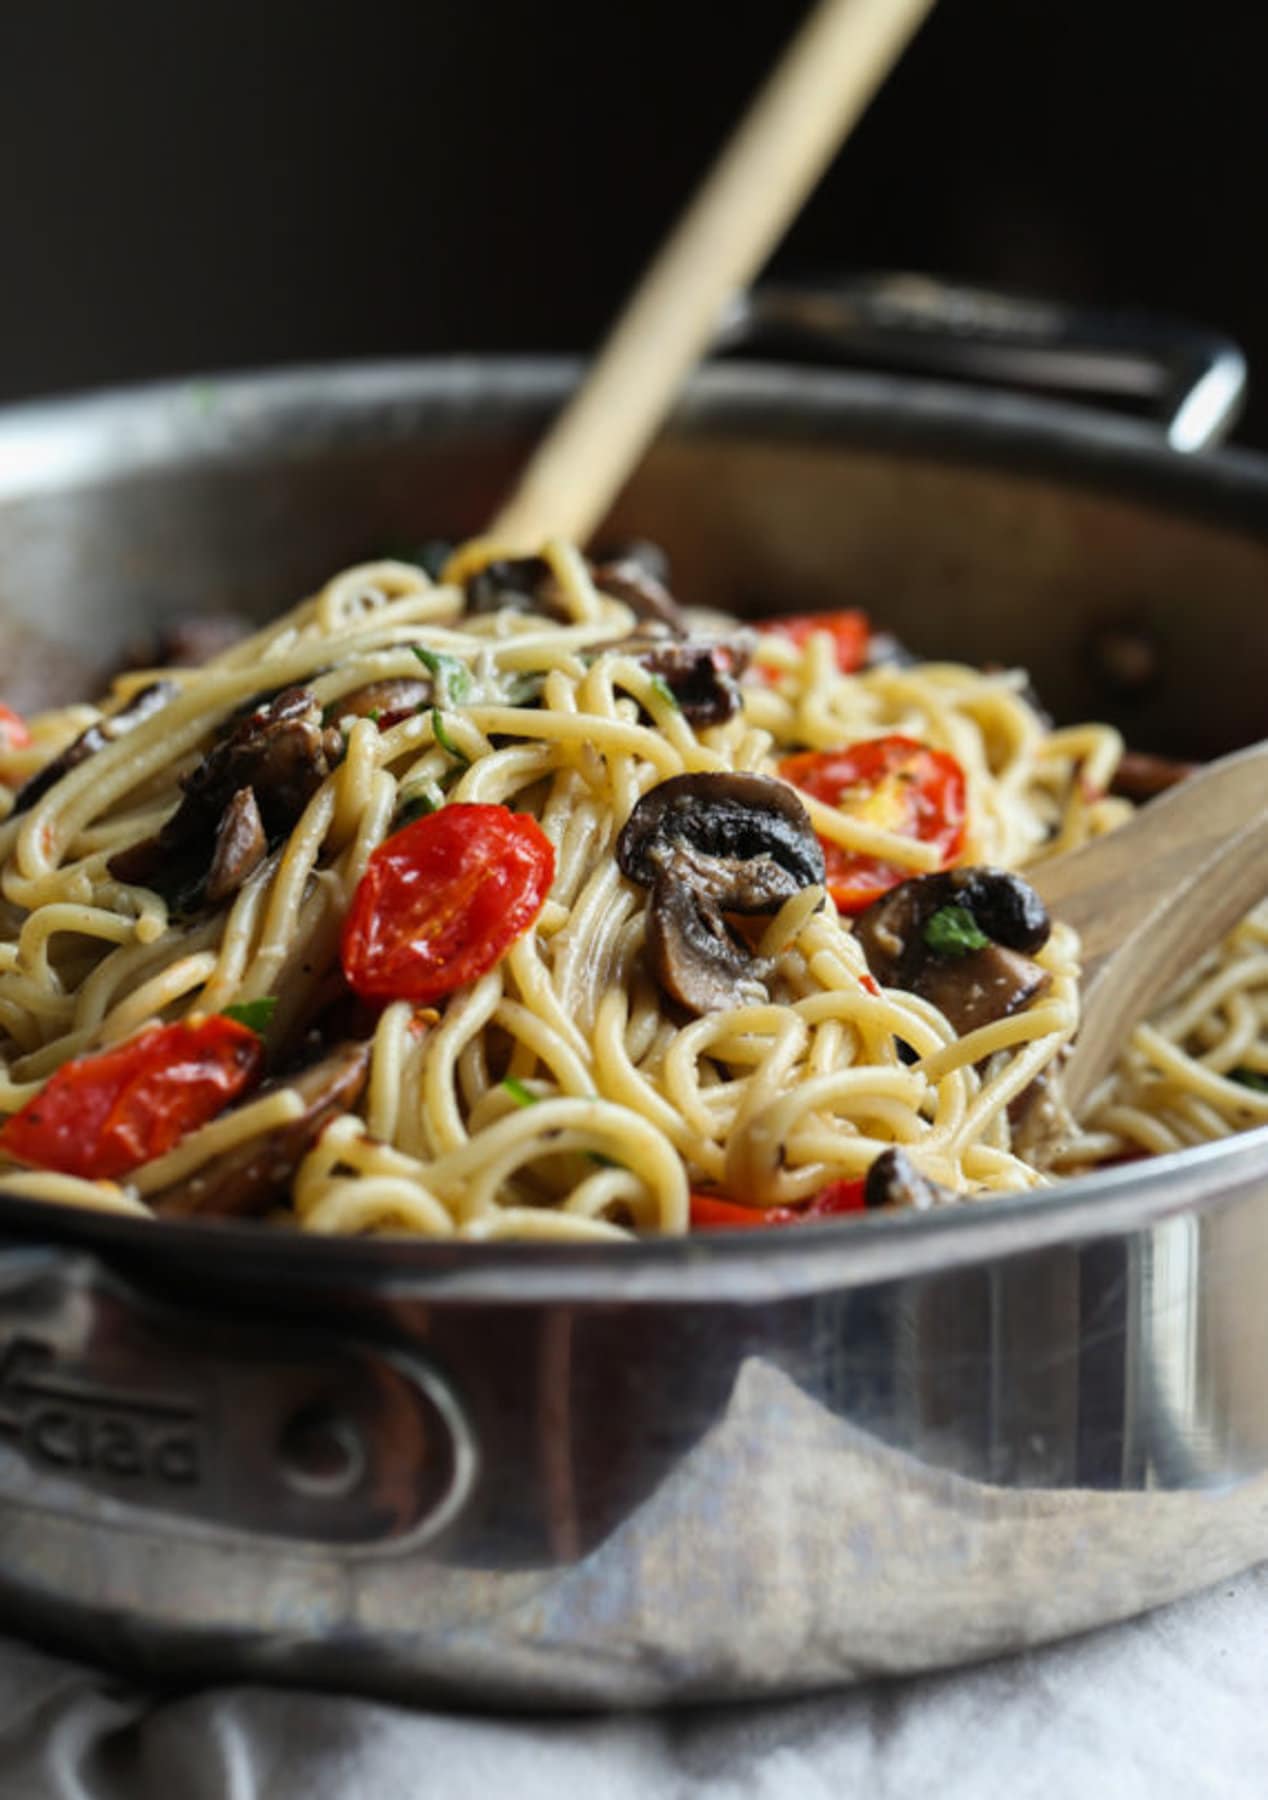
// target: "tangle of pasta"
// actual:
[[559, 1094]]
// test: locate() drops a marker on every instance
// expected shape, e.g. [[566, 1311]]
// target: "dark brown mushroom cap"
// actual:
[[281, 752], [708, 845], [753, 826], [1003, 906], [978, 986], [894, 1181], [143, 705]]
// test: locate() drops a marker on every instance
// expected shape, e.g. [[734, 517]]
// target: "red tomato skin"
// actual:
[[850, 632], [102, 1116], [844, 1196], [442, 900], [934, 801], [14, 734], [711, 1212]]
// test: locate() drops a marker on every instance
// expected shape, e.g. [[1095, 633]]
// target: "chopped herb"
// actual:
[[1250, 1078], [662, 690], [375, 714], [440, 731], [953, 931], [521, 1094], [254, 1014], [413, 806], [450, 673]]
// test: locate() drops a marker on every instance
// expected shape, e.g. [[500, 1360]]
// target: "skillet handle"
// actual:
[[1193, 380], [182, 1422]]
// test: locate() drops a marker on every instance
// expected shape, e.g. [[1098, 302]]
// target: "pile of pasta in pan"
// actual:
[[515, 902]]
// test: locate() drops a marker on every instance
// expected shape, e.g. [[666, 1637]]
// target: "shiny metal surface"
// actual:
[[1195, 380], [585, 1476]]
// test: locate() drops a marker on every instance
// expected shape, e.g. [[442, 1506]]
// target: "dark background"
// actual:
[[199, 184]]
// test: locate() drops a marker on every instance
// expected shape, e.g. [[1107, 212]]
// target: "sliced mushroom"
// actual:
[[701, 674], [279, 751], [143, 705], [388, 701], [894, 1181], [695, 957], [708, 846], [517, 584], [241, 846], [253, 1176], [983, 986], [638, 574], [970, 987]]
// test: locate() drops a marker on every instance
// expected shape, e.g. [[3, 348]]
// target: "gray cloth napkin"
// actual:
[[1174, 1704]]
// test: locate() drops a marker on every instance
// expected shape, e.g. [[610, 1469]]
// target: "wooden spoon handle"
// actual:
[[816, 94]]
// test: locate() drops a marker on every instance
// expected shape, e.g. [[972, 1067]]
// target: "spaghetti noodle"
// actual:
[[559, 1092]]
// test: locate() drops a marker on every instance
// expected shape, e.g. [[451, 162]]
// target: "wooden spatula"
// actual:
[[1149, 899]]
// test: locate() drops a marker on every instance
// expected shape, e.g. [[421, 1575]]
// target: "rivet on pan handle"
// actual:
[[111, 1405], [1193, 379]]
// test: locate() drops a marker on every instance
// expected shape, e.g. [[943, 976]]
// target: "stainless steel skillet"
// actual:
[[557, 1477]]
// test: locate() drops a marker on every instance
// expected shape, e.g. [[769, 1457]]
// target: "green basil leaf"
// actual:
[[440, 731], [413, 806], [953, 931], [1250, 1078], [254, 1014], [450, 673]]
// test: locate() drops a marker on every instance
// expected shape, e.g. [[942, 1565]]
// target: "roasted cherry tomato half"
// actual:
[[14, 734], [103, 1116], [443, 900], [850, 633], [895, 784], [710, 1212]]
